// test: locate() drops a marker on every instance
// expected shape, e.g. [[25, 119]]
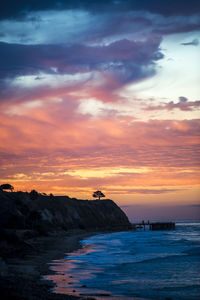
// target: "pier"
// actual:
[[154, 226]]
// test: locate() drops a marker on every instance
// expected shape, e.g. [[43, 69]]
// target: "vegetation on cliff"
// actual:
[[25, 215]]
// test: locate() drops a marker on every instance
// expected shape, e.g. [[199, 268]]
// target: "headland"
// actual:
[[37, 228]]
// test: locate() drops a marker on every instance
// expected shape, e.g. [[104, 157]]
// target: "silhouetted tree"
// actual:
[[6, 186], [98, 194], [34, 194]]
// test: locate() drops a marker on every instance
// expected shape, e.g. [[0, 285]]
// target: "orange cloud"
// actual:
[[53, 148]]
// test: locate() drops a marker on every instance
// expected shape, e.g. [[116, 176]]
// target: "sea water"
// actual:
[[134, 265]]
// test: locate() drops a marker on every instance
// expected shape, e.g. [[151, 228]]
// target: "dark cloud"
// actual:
[[183, 105], [125, 60], [18, 9], [183, 99], [101, 28], [194, 42], [177, 25], [133, 23]]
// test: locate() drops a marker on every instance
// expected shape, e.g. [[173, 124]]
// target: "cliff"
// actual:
[[25, 215]]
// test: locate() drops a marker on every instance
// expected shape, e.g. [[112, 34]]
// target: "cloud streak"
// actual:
[[183, 105], [194, 42]]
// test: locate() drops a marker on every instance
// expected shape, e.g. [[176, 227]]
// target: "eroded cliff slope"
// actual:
[[23, 215]]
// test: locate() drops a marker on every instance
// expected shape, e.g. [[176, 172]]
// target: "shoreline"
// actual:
[[22, 279], [23, 275]]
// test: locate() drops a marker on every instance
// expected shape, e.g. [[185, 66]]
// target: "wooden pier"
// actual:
[[154, 226]]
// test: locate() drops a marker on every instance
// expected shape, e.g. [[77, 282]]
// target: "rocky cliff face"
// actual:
[[18, 210], [29, 215]]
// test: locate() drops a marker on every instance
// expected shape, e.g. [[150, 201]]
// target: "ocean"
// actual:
[[134, 265]]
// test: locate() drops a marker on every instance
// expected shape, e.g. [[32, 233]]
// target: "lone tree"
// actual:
[[6, 186], [98, 194]]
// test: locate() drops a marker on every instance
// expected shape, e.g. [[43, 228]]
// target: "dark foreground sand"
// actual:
[[22, 278]]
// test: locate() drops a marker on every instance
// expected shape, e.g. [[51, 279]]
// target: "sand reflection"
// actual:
[[69, 273]]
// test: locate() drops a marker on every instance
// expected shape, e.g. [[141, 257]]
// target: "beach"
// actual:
[[22, 274]]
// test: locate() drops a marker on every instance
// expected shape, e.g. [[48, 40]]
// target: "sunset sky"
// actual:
[[103, 95]]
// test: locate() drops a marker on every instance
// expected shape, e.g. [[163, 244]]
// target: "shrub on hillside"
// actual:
[[34, 194]]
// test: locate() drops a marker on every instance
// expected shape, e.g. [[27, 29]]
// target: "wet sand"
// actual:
[[22, 278]]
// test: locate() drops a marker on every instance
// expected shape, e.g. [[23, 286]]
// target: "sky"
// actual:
[[103, 95]]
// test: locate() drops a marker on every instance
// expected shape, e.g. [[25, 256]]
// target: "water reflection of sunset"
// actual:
[[69, 273]]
